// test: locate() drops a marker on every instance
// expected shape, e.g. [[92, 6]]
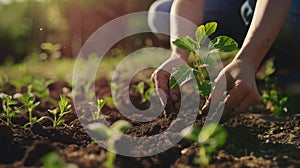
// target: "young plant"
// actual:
[[184, 73], [53, 160], [209, 139], [145, 94], [59, 112], [276, 101], [40, 87], [112, 134], [7, 103], [100, 104], [29, 102]]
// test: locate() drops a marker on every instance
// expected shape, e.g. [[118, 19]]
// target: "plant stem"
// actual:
[[30, 116]]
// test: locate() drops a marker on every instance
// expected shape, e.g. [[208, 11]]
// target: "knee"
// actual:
[[158, 16]]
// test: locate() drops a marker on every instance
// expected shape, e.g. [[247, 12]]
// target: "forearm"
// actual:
[[268, 18], [192, 11]]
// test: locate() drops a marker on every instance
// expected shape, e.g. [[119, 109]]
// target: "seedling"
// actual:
[[276, 101], [7, 103], [29, 102], [100, 104], [145, 94], [209, 139], [59, 112], [53, 160], [184, 73], [40, 87], [112, 134]]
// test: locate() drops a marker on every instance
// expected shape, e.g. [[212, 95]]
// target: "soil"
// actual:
[[256, 138]]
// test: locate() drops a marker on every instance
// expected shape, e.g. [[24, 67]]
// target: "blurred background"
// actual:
[[30, 26]]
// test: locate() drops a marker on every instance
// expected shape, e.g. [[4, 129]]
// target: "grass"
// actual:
[[58, 69]]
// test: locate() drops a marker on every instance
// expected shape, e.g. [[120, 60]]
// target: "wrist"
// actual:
[[250, 57]]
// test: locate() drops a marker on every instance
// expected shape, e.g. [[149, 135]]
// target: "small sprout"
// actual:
[[59, 112], [112, 134], [53, 160], [7, 103], [29, 102], [40, 87], [209, 139], [100, 104], [97, 114], [276, 102], [145, 94]]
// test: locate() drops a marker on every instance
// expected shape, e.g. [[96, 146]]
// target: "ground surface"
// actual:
[[256, 139]]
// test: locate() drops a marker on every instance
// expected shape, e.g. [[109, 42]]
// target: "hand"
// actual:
[[241, 88], [161, 78]]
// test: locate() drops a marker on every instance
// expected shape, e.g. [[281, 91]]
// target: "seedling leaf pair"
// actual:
[[204, 31]]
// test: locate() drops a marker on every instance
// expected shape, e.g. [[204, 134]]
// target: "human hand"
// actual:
[[241, 89], [161, 78]]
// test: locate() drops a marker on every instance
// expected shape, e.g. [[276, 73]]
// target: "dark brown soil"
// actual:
[[256, 139]]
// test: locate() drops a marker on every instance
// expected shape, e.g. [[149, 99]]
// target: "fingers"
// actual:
[[236, 94], [218, 92], [250, 100], [161, 81], [239, 98]]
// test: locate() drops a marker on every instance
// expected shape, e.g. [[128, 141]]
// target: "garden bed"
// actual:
[[255, 139]]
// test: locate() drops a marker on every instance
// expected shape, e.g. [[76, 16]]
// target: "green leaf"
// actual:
[[283, 101], [205, 88], [213, 131], [180, 75], [200, 34], [54, 111], [53, 160], [191, 133], [186, 43], [277, 110], [270, 69], [121, 126], [60, 122], [223, 43], [101, 103], [210, 28], [204, 31]]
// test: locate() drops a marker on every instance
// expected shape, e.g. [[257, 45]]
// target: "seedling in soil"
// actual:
[[7, 103], [29, 102], [185, 73], [100, 104], [113, 134], [276, 101], [212, 137], [97, 114], [40, 88], [145, 93], [53, 160], [59, 112]]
